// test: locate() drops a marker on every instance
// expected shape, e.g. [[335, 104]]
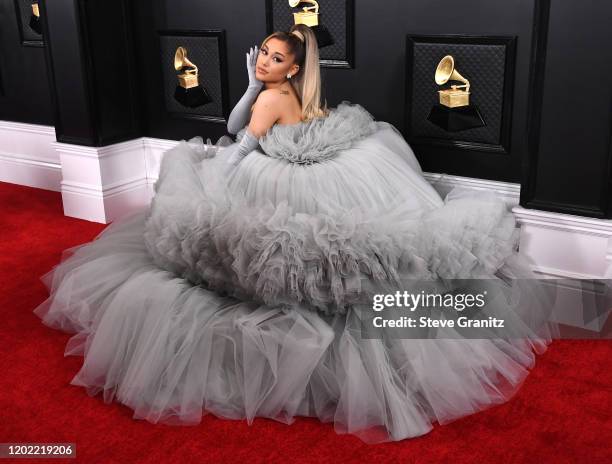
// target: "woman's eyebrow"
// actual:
[[265, 46]]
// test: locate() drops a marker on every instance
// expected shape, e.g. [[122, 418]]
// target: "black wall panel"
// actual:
[[111, 68], [24, 83], [69, 81], [568, 166], [94, 71]]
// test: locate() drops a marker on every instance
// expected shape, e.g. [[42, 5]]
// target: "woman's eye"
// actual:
[[277, 60]]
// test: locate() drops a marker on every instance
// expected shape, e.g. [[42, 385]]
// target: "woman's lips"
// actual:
[[262, 71]]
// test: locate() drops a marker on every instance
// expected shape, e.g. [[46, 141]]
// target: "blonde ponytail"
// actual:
[[308, 82]]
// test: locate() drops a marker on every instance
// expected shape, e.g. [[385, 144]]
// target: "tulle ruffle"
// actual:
[[203, 231], [319, 139], [173, 351]]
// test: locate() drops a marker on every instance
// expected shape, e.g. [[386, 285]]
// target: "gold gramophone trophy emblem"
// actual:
[[188, 92], [454, 112], [35, 24], [452, 97], [309, 16]]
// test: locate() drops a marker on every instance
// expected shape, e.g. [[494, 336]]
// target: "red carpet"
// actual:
[[563, 413]]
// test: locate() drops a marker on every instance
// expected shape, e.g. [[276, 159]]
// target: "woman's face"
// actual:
[[274, 62]]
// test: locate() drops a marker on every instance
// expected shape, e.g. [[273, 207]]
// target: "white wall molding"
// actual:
[[102, 152], [565, 245], [97, 183], [105, 191], [102, 183], [36, 129], [153, 152], [443, 183], [27, 157]]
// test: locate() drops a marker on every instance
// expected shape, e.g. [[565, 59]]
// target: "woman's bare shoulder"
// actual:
[[271, 96], [281, 102], [270, 100]]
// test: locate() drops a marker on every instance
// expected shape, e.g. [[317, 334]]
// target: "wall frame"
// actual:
[[489, 64], [207, 50], [28, 36]]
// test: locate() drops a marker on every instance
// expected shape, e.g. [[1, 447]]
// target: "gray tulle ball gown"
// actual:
[[234, 292]]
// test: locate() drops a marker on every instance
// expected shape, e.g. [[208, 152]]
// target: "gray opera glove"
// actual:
[[248, 143], [241, 113]]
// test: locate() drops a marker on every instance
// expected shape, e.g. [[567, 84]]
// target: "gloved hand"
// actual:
[[251, 63], [248, 143], [241, 113]]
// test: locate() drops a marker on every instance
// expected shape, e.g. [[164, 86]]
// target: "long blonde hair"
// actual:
[[307, 81]]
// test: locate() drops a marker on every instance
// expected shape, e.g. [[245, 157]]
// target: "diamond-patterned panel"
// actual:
[[204, 53], [482, 64]]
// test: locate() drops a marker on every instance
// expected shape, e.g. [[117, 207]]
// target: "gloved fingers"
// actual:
[[250, 58]]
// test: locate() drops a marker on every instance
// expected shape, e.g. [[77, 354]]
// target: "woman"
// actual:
[[243, 289]]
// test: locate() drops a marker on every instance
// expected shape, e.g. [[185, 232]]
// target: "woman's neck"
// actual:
[[276, 85]]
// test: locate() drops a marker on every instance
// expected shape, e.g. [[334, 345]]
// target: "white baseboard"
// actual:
[[101, 184], [27, 156], [153, 152], [443, 183], [565, 245], [97, 183]]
